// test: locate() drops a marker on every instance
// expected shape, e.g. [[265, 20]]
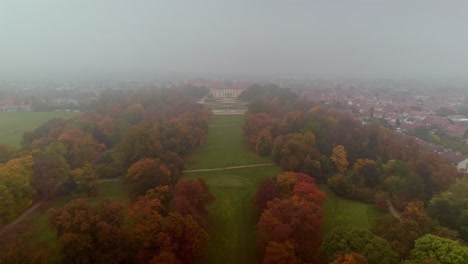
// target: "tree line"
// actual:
[[368, 163], [140, 136]]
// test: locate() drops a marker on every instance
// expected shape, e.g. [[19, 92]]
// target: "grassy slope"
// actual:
[[14, 124], [343, 212], [224, 146], [232, 235]]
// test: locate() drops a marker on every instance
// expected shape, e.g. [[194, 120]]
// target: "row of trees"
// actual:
[[368, 163], [360, 160], [141, 136]]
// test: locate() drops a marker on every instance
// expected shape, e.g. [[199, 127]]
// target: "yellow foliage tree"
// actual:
[[339, 158]]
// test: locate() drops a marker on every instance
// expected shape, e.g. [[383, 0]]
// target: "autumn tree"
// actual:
[[90, 233], [414, 223], [6, 153], [50, 169], [146, 174], [339, 158], [182, 236], [145, 228], [139, 142], [267, 191], [276, 253], [366, 171], [255, 123], [16, 192], [436, 172], [295, 220], [264, 143], [192, 197], [86, 180], [350, 258], [293, 150], [81, 147]]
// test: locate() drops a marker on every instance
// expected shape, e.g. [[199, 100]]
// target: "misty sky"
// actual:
[[351, 38]]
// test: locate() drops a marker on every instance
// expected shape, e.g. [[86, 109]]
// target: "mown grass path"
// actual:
[[233, 173]]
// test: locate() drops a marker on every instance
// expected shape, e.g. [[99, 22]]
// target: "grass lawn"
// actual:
[[224, 146], [343, 212], [14, 124], [232, 232]]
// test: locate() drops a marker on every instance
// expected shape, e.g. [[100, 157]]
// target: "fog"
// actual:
[[368, 39]]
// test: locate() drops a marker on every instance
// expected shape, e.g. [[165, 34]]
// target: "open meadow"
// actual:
[[224, 146], [14, 124], [232, 234], [344, 212]]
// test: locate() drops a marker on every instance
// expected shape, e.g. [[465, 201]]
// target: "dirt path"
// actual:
[[34, 207], [393, 211], [26, 213], [231, 168], [225, 125]]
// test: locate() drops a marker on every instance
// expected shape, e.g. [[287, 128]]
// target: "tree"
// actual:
[[437, 173], [350, 258], [183, 237], [16, 192], [86, 180], [267, 191], [191, 197], [276, 253], [450, 208], [50, 169], [444, 250], [6, 153], [81, 147], [290, 219], [90, 233], [145, 228], [413, 224], [346, 240], [146, 174], [139, 142], [368, 171], [264, 143], [339, 158]]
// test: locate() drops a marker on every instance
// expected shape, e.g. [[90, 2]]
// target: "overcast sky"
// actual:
[[331, 38]]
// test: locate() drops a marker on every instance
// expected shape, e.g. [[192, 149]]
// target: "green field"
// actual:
[[14, 124], [232, 233], [224, 146], [232, 230], [345, 212]]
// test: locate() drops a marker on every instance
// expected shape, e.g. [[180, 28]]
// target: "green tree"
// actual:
[[450, 208], [349, 239], [444, 250], [86, 180]]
